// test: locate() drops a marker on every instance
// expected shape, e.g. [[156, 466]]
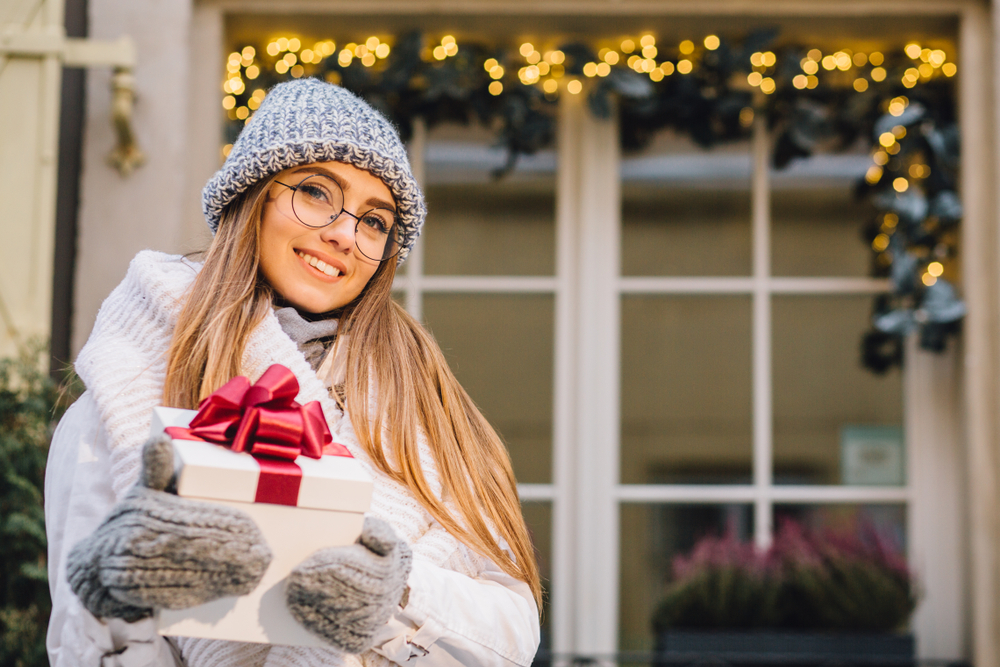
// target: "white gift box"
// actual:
[[334, 493]]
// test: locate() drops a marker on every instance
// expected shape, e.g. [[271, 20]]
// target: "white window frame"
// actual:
[[953, 458], [585, 491]]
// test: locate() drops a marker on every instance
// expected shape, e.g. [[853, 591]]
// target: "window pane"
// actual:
[[478, 224], [817, 219], [538, 516], [500, 347], [887, 521], [834, 421], [685, 388], [651, 536], [686, 210]]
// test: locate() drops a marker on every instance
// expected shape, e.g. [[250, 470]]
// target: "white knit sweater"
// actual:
[[123, 366]]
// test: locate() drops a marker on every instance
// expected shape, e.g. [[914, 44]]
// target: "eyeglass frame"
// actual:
[[390, 236]]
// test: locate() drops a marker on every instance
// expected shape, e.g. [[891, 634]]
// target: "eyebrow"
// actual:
[[374, 202]]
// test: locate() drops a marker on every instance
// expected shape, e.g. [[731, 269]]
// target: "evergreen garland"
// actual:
[[710, 92]]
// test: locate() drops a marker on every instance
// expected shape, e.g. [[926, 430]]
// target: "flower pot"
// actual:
[[783, 647]]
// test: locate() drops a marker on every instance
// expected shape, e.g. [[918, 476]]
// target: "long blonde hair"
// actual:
[[387, 349]]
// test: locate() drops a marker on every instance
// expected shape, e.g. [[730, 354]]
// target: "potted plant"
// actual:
[[812, 598]]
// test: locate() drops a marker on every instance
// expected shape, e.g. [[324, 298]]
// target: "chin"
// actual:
[[308, 304], [316, 309]]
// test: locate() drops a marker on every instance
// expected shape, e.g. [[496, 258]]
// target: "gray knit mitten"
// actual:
[[158, 550], [344, 594]]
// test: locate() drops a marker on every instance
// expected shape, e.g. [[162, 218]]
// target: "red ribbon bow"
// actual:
[[263, 419]]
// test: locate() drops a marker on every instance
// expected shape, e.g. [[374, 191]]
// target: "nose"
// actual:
[[340, 232]]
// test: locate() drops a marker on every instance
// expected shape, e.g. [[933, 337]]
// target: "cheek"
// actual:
[[267, 256], [363, 276], [268, 267], [274, 260], [366, 272]]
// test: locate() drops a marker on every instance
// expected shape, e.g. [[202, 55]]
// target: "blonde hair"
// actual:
[[387, 349]]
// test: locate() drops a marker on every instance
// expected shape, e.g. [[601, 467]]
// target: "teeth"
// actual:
[[319, 264]]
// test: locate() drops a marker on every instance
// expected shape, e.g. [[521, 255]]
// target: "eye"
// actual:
[[378, 220], [315, 192]]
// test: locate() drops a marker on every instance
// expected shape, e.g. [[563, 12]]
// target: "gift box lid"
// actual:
[[211, 472]]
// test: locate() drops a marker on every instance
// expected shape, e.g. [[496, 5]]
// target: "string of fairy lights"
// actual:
[[712, 89], [545, 68], [888, 146]]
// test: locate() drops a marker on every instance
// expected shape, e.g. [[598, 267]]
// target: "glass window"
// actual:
[[500, 348], [835, 422], [652, 536], [478, 224], [685, 210], [817, 218], [689, 355], [538, 516], [887, 521], [685, 388]]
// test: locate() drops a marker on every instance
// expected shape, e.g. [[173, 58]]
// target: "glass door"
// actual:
[[744, 404]]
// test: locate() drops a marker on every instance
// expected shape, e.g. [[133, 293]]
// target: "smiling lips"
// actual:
[[319, 264]]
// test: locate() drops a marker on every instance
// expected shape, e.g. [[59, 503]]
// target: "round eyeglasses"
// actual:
[[318, 200]]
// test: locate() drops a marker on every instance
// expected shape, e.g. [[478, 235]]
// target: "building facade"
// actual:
[[667, 337]]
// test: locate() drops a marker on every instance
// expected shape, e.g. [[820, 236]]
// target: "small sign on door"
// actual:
[[872, 456]]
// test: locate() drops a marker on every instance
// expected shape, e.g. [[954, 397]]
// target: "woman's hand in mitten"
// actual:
[[344, 594], [158, 550]]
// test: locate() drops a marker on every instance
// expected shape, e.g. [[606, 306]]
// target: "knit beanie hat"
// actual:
[[307, 120]]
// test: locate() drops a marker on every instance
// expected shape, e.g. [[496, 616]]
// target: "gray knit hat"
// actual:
[[307, 120]]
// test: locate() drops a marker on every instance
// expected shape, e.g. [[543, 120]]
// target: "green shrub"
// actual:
[[29, 408], [850, 581], [722, 583], [805, 581]]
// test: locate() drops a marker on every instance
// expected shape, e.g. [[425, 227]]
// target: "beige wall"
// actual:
[[120, 216]]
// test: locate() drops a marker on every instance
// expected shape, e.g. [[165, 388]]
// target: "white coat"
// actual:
[[462, 609]]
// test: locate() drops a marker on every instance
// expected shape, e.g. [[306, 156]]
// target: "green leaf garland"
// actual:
[[899, 104]]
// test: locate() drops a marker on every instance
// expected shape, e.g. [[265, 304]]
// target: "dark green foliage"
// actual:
[[719, 597], [806, 581], [722, 583], [29, 407], [853, 585]]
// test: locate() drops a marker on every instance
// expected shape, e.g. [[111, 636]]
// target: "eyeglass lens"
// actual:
[[318, 200]]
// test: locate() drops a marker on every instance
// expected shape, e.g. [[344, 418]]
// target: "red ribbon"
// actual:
[[264, 420]]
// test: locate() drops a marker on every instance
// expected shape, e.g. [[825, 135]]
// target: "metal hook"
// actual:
[[127, 155]]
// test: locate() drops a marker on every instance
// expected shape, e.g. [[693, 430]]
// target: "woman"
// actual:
[[312, 211]]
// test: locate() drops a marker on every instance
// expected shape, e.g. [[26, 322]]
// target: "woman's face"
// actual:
[[318, 270]]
